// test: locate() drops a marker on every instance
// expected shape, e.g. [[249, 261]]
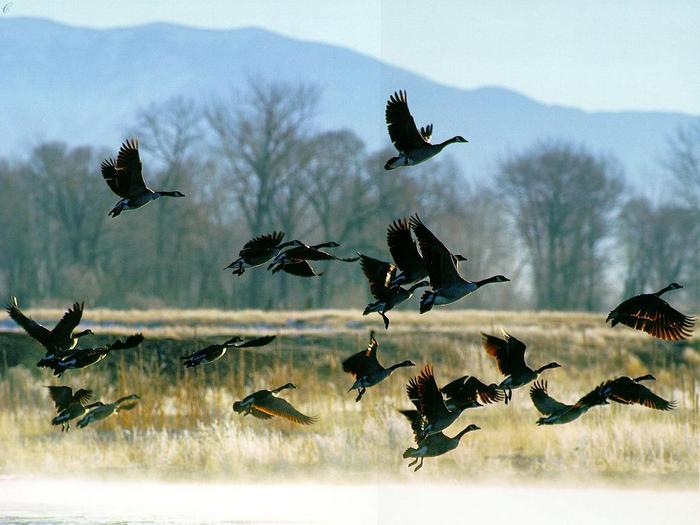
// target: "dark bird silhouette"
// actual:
[[404, 251], [366, 369], [429, 446], [259, 250], [69, 405], [299, 268], [510, 359], [557, 413], [380, 274], [414, 146], [628, 391], [447, 284], [58, 341], [103, 411], [213, 352], [84, 357], [651, 314], [430, 405], [303, 252], [125, 179], [468, 392], [264, 404]]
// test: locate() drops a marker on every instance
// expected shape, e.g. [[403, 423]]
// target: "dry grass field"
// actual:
[[184, 427]]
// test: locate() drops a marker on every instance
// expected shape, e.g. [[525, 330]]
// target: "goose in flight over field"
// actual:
[[628, 391], [380, 274], [104, 411], [403, 250], [265, 404], [468, 392], [510, 360], [447, 284], [84, 357], [651, 314], [298, 268], [430, 405], [366, 369], [414, 146], [303, 252], [69, 405], [259, 250], [124, 178], [557, 413], [213, 352], [58, 341], [430, 446]]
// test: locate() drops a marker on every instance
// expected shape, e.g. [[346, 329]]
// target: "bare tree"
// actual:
[[683, 163], [561, 199]]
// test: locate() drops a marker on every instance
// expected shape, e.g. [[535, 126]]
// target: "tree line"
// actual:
[[557, 219]]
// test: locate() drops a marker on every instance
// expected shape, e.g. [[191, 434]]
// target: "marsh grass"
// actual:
[[184, 426]]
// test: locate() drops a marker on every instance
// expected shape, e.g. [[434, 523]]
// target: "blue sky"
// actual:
[[595, 55]]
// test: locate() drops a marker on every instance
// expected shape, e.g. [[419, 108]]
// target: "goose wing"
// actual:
[[509, 353], [427, 132], [117, 180], [276, 406], [403, 248], [439, 262], [69, 321], [34, 329], [257, 341], [62, 396], [628, 392], [82, 395], [417, 423], [402, 128], [469, 388], [379, 274], [365, 362], [129, 162], [260, 415], [261, 244], [300, 269], [543, 402], [653, 315], [432, 405], [412, 392]]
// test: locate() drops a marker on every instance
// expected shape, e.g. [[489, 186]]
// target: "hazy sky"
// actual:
[[596, 55]]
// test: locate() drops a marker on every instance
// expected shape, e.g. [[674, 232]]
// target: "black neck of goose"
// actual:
[[448, 142], [168, 193], [647, 377], [125, 398], [546, 367], [490, 280], [283, 387], [399, 365], [664, 290], [81, 334], [465, 431]]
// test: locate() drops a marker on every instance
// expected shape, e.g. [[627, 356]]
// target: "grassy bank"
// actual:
[[184, 427]]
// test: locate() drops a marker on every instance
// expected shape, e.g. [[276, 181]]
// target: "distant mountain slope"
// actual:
[[84, 86]]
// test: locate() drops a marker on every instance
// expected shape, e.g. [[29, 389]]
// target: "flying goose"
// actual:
[[104, 411], [366, 369], [84, 357], [510, 359], [430, 405], [58, 341], [298, 268], [303, 252], [69, 405], [380, 274], [628, 391], [403, 250], [447, 284], [430, 446], [124, 178], [468, 392], [413, 146], [213, 352], [557, 413], [264, 404], [651, 314], [259, 250]]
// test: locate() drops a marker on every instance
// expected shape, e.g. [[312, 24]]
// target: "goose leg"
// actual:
[[386, 320], [420, 466], [413, 462], [361, 391]]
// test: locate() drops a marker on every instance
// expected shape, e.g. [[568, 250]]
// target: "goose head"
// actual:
[[470, 428], [170, 193], [459, 138]]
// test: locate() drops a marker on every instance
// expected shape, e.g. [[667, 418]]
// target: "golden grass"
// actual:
[[185, 427]]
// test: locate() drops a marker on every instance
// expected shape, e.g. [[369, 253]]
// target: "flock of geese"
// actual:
[[423, 262]]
